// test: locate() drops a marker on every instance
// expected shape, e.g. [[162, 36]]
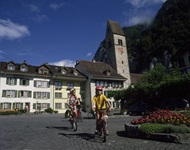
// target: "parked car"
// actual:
[[138, 109]]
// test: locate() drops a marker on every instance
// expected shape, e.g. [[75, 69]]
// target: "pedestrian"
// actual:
[[26, 108], [99, 103]]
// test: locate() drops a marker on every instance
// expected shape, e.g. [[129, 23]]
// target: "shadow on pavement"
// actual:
[[85, 136], [60, 128], [121, 133]]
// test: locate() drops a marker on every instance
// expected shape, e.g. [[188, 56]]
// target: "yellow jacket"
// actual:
[[100, 101]]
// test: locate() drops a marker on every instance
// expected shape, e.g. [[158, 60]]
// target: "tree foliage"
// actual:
[[157, 88], [168, 32]]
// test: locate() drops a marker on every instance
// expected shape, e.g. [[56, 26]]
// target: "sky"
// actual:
[[61, 32]]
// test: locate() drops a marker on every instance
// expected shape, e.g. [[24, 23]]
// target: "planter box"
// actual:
[[133, 131]]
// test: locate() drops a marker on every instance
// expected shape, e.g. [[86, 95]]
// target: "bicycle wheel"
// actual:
[[74, 122], [67, 114], [80, 116], [104, 130], [90, 115]]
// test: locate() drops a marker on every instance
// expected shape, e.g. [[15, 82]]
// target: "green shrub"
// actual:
[[49, 110], [55, 111], [149, 128], [9, 113], [22, 111]]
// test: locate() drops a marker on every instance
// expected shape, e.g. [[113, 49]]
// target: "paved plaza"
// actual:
[[53, 132]]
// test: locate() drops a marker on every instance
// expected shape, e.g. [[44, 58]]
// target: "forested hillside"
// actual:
[[169, 31]]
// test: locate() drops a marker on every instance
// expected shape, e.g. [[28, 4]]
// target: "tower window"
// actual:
[[120, 42]]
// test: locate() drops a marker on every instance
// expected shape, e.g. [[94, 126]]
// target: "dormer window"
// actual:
[[43, 70], [107, 72], [75, 73], [23, 68], [11, 67], [63, 71], [40, 71]]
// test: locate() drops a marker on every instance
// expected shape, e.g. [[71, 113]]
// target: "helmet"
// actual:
[[99, 88], [72, 90]]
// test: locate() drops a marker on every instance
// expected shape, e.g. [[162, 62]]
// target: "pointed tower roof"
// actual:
[[115, 27]]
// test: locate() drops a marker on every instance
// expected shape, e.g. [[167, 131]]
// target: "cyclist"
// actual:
[[79, 107], [72, 100], [79, 104], [99, 102]]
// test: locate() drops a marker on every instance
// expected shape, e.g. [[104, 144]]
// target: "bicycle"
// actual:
[[73, 119], [102, 126], [79, 116], [91, 114]]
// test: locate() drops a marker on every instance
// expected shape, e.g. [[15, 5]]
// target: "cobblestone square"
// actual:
[[53, 132]]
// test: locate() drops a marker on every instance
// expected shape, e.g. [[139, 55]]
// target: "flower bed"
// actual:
[[161, 125], [163, 117]]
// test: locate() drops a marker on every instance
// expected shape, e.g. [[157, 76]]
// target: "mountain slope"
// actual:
[[168, 33]]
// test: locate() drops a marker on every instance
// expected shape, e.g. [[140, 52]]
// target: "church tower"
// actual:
[[116, 50]]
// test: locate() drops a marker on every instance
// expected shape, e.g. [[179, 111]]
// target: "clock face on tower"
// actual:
[[120, 50]]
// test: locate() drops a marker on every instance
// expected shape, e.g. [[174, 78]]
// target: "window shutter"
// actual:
[[22, 106], [4, 93], [34, 95], [9, 105], [21, 81], [48, 95], [18, 93], [34, 83], [34, 106], [14, 105], [7, 82], [27, 82], [15, 93], [1, 105], [48, 105], [15, 81], [48, 84], [29, 93]]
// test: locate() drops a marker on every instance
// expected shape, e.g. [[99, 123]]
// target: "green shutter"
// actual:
[[14, 105], [1, 105], [21, 81], [34, 106], [7, 80], [34, 95], [27, 82], [48, 95], [9, 105], [29, 93], [22, 106], [4, 93], [15, 93], [15, 81], [34, 83], [18, 93]]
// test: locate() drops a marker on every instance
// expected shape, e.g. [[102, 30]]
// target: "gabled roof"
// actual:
[[31, 69], [99, 70], [115, 27], [72, 73]]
